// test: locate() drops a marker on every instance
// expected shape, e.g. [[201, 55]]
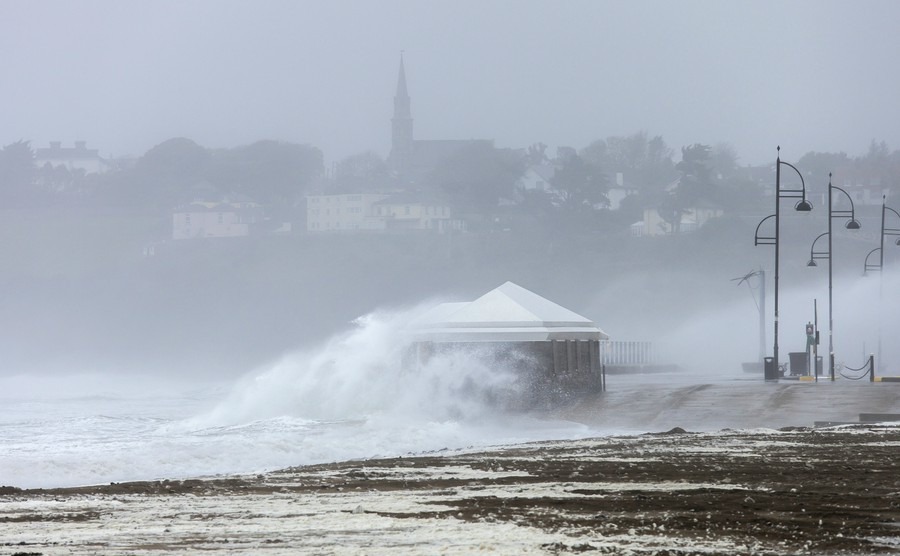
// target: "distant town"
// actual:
[[621, 184]]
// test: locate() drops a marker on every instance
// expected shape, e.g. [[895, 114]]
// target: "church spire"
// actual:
[[401, 125], [401, 98]]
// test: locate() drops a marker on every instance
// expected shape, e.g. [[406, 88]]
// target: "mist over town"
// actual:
[[546, 181], [524, 267]]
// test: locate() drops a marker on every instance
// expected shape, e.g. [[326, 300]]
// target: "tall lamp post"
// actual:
[[802, 206], [867, 266], [852, 224]]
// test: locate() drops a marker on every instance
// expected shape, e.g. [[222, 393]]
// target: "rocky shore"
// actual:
[[829, 490]]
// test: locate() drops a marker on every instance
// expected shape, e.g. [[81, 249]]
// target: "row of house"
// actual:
[[378, 212]]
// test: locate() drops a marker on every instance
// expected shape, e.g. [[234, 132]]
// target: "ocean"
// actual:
[[347, 399]]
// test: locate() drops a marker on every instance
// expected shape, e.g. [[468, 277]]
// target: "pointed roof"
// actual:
[[509, 313], [401, 80]]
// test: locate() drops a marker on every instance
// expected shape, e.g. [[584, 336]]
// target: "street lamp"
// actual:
[[802, 206], [852, 224], [879, 266]]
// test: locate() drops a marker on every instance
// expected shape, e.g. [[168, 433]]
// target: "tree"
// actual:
[[362, 172], [17, 171], [696, 174], [645, 164], [581, 186], [270, 172], [166, 174], [536, 154], [694, 186], [477, 176], [816, 166], [723, 161]]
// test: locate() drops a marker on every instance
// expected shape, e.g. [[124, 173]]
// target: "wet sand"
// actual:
[[832, 490]]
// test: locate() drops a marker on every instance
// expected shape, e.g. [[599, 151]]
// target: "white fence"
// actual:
[[627, 353]]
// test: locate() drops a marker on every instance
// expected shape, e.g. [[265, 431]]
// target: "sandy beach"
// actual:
[[833, 490]]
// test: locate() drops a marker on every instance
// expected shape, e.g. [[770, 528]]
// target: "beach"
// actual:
[[828, 490]]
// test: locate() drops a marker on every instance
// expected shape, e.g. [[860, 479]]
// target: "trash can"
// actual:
[[798, 363], [769, 370]]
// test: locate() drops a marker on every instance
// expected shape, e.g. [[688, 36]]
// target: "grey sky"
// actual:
[[124, 76]]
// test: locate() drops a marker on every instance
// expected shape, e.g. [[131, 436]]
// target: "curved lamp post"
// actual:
[[803, 205], [867, 266], [852, 224]]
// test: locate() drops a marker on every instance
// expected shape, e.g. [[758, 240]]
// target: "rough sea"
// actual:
[[346, 399]]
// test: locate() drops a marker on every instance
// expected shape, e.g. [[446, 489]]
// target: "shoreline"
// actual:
[[795, 490]]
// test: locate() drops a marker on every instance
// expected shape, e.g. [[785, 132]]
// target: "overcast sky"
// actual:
[[125, 76]]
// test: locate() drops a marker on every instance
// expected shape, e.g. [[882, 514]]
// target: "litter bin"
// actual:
[[798, 363], [769, 370]]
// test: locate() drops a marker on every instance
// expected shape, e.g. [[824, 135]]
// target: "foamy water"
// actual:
[[348, 399]]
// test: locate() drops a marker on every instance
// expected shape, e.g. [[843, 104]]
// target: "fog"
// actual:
[[94, 283], [124, 77]]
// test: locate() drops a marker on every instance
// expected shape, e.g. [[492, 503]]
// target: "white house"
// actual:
[[231, 217], [78, 157], [361, 212], [342, 213]]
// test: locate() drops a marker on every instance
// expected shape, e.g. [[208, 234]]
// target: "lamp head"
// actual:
[[853, 224], [812, 262], [803, 206]]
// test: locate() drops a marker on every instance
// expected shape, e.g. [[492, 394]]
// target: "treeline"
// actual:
[[477, 181], [171, 173]]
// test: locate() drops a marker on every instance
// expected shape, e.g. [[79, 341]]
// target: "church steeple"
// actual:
[[401, 124], [401, 98]]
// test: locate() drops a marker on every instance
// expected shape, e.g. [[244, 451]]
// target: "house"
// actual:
[[410, 212], [555, 353], [230, 217], [342, 213], [77, 158], [368, 212], [537, 177]]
